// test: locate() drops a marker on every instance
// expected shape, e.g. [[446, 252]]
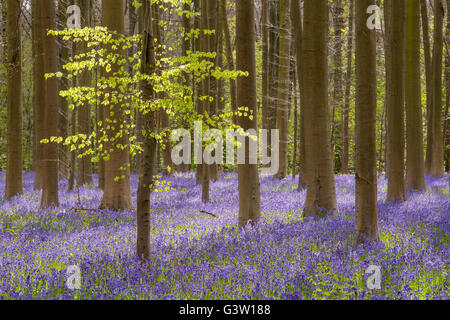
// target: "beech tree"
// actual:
[[366, 219], [248, 177], [436, 165], [14, 183], [117, 188], [50, 150], [395, 102], [321, 192], [415, 166]]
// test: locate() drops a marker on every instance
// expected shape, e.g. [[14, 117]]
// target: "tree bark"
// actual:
[[427, 55], [84, 167], [321, 193], [147, 169], [283, 86], [50, 151], [415, 166], [248, 177], [297, 28], [437, 143], [117, 192], [38, 91], [366, 105], [14, 184], [348, 84], [395, 101]]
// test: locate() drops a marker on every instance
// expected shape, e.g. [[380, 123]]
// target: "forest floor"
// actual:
[[200, 256]]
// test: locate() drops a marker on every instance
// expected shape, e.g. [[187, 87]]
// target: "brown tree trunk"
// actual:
[[84, 166], [50, 152], [38, 91], [415, 166], [297, 28], [64, 162], [14, 184], [395, 102], [428, 77], [117, 189], [321, 193], [348, 84], [248, 177], [228, 52], [265, 62], [366, 105], [204, 47], [147, 169], [338, 84], [437, 143], [283, 86]]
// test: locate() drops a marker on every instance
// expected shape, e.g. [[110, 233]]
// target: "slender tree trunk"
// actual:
[[338, 83], [366, 107], [213, 6], [447, 81], [38, 91], [248, 177], [228, 52], [64, 165], [147, 169], [427, 54], [294, 156], [204, 45], [437, 144], [395, 102], [297, 28], [415, 166], [283, 86], [84, 168], [265, 62], [50, 152], [14, 184], [321, 193], [117, 192], [345, 129]]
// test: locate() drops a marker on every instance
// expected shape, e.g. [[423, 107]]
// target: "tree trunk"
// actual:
[[64, 165], [38, 91], [50, 152], [117, 189], [204, 47], [321, 193], [84, 167], [147, 169], [248, 177], [395, 102], [14, 184], [437, 143], [338, 85], [427, 54], [297, 28], [366, 106], [415, 166], [283, 86], [228, 53], [348, 84]]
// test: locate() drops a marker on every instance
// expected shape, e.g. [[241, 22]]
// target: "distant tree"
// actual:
[[84, 165], [283, 93]]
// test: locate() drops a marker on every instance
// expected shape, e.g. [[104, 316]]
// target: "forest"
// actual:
[[224, 150]]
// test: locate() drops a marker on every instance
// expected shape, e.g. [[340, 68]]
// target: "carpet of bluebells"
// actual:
[[198, 256]]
